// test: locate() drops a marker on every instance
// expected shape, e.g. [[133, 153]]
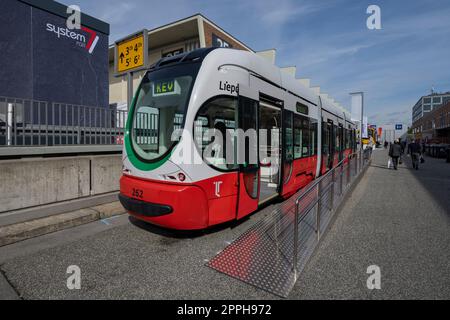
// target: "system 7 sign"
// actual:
[[131, 53]]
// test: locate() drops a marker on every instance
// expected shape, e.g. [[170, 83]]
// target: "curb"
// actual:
[[38, 227]]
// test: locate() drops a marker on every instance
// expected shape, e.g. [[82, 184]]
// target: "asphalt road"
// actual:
[[398, 220], [124, 260]]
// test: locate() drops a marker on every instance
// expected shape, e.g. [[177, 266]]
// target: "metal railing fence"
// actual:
[[26, 122], [327, 194], [273, 252]]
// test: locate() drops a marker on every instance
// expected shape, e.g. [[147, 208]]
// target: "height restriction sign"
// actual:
[[131, 53]]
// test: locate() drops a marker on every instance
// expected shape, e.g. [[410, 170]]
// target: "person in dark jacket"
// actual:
[[395, 152], [414, 150]]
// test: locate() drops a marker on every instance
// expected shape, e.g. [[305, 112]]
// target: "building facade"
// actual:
[[427, 104], [434, 127], [43, 60], [53, 79], [178, 37]]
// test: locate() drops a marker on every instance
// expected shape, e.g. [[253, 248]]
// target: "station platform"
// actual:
[[397, 220]]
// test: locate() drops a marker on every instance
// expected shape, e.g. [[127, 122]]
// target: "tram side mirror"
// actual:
[[248, 92]]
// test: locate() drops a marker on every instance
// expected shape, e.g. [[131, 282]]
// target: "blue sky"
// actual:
[[327, 40]]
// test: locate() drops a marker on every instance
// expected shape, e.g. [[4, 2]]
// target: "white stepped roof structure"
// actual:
[[324, 96], [290, 70], [306, 82], [270, 55], [316, 90]]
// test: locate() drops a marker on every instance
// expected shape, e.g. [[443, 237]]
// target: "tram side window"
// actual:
[[325, 138], [336, 139], [298, 137], [289, 153], [302, 143], [218, 117], [313, 137], [306, 135], [247, 118], [348, 139], [347, 142]]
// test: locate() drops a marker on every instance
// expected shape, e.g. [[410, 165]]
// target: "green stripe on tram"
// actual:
[[143, 166]]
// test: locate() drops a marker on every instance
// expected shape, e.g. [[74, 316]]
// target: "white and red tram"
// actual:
[[225, 90]]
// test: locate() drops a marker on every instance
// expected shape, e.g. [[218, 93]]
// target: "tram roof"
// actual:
[[257, 65]]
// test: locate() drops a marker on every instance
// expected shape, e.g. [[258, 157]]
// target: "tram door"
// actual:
[[270, 143], [247, 156]]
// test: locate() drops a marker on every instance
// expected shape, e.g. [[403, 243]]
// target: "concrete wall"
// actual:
[[105, 173], [38, 181]]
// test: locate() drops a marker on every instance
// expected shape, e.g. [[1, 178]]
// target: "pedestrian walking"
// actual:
[[414, 150], [395, 152]]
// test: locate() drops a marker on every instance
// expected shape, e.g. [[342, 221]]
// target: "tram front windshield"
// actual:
[[160, 110]]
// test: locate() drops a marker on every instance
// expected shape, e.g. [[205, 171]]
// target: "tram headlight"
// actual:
[[181, 177]]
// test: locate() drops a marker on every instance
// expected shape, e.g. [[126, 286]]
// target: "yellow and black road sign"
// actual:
[[131, 53]]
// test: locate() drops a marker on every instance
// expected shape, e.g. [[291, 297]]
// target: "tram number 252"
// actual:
[[137, 193]]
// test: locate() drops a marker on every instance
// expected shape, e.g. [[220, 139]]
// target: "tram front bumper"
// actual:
[[174, 206], [146, 209]]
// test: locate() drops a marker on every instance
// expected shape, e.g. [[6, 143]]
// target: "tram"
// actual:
[[225, 90]]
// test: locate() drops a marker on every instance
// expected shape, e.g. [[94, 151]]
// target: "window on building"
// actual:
[[445, 100], [427, 100]]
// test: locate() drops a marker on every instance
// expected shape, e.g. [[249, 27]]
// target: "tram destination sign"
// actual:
[[166, 88], [131, 53]]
